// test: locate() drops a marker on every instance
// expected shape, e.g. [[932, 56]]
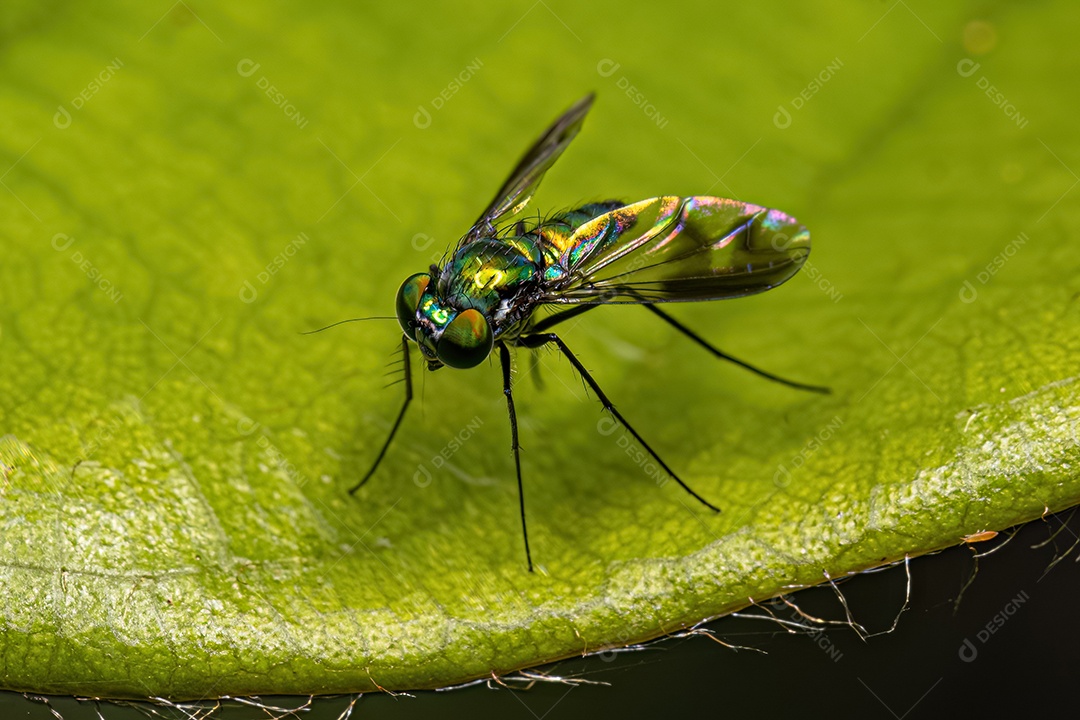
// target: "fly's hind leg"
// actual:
[[724, 356], [539, 340]]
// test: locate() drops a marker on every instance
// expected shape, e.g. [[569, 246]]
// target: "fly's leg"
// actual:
[[555, 318], [401, 414], [547, 323], [504, 356], [724, 356], [552, 320], [536, 341]]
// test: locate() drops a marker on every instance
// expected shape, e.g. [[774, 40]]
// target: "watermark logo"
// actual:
[[816, 634], [969, 292], [62, 118], [248, 291], [782, 476], [783, 117], [821, 282], [969, 650], [422, 118], [967, 68], [607, 68], [246, 427], [248, 67], [607, 426], [61, 242], [423, 476], [782, 242]]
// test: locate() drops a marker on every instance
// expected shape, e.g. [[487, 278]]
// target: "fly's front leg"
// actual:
[[401, 414], [504, 357]]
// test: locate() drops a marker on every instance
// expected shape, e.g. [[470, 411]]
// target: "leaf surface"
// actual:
[[183, 194]]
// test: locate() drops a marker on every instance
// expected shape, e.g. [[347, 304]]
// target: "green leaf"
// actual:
[[183, 194]]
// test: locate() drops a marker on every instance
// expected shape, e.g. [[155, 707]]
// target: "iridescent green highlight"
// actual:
[[484, 272]]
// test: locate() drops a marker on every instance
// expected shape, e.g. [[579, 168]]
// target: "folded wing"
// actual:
[[671, 249]]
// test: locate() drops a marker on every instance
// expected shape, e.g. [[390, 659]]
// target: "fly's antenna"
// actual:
[[342, 322]]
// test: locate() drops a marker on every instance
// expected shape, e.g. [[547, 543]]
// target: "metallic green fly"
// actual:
[[664, 249]]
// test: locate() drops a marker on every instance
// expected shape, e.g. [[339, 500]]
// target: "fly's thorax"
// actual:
[[492, 276]]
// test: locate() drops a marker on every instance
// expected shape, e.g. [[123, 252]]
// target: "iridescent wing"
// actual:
[[518, 189], [671, 249]]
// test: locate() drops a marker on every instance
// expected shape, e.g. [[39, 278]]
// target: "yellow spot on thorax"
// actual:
[[486, 277]]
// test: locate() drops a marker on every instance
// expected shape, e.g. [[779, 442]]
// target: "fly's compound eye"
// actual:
[[408, 299], [466, 341]]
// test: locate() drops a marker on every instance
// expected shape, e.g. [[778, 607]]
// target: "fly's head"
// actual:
[[446, 335]]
